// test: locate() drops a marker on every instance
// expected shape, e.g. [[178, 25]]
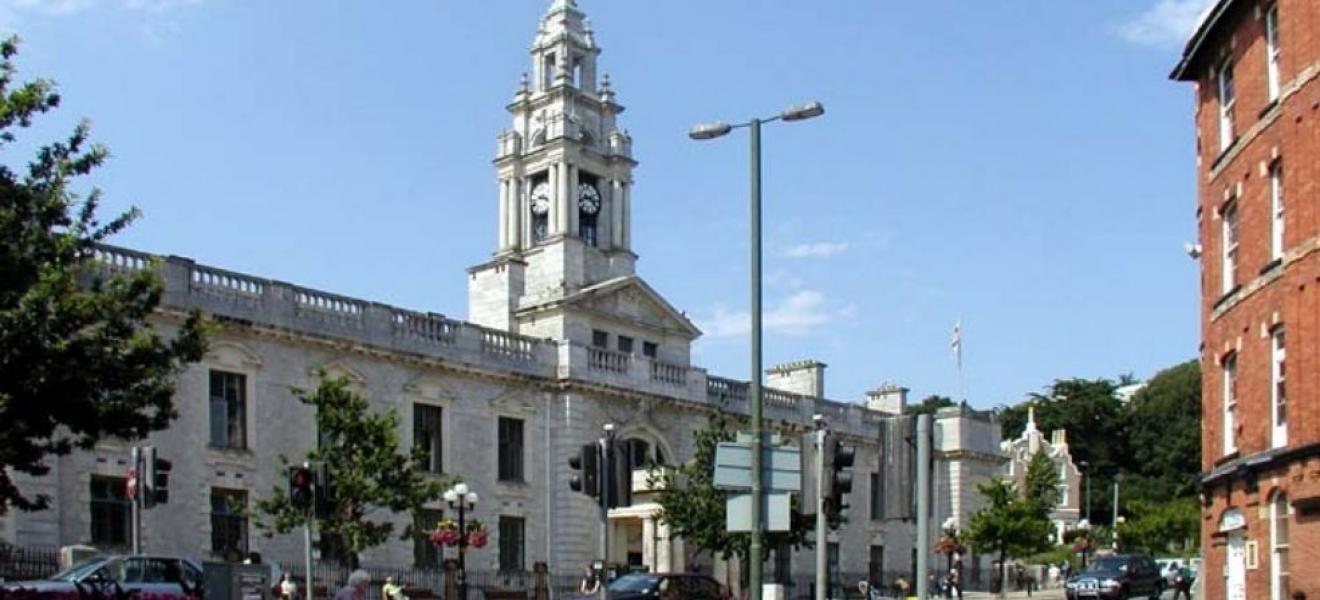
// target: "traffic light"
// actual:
[[323, 489], [300, 488], [155, 478], [618, 479], [838, 482], [587, 464]]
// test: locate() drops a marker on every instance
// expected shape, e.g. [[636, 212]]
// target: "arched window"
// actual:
[[1279, 547], [643, 454]]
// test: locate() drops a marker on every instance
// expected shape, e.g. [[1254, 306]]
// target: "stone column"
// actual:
[[517, 189], [573, 175], [504, 215], [553, 216], [627, 215], [649, 557], [665, 551], [616, 213], [565, 201]]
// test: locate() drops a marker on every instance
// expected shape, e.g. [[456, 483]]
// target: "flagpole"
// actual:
[[957, 355]]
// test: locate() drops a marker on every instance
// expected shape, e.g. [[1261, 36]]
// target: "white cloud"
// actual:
[[1167, 23], [798, 314], [816, 250]]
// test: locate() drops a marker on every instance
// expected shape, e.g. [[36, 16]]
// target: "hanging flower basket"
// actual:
[[445, 534], [477, 535]]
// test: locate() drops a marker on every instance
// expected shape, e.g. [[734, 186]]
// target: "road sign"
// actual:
[[774, 517], [781, 465]]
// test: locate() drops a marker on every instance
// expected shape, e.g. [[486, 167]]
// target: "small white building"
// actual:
[[1020, 452]]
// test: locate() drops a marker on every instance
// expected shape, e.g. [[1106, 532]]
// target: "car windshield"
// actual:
[[633, 583], [1105, 565], [81, 570]]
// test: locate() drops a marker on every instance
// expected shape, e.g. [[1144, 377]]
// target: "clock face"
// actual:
[[541, 198], [588, 198]]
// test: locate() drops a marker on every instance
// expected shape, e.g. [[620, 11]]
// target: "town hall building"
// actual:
[[562, 337]]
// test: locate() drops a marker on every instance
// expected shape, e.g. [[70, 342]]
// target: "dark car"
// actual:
[[143, 576], [1117, 577], [664, 586]]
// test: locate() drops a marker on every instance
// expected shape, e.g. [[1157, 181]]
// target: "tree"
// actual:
[[79, 361], [369, 475], [930, 404], [1041, 485], [694, 508], [1164, 434], [1161, 527], [1009, 525]]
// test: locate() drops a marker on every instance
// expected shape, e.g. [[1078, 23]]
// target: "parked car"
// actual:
[[1117, 577], [664, 586], [157, 577]]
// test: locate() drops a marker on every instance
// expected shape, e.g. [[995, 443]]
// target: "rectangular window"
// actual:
[[1227, 96], [877, 496], [1063, 495], [1229, 237], [1230, 403], [110, 511], [427, 420], [228, 410], [511, 449], [625, 344], [875, 566], [832, 560], [1276, 211], [600, 339], [1272, 51], [512, 544], [1278, 389], [425, 554], [650, 350], [229, 524]]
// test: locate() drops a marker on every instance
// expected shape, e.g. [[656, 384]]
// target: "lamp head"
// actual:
[[450, 496], [460, 489], [802, 112], [710, 131], [472, 498]]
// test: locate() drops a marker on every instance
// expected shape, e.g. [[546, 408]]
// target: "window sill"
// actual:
[[1264, 112], [1270, 266], [1227, 296], [1226, 458], [1227, 151]]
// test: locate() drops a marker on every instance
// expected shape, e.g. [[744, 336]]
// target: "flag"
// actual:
[[955, 343]]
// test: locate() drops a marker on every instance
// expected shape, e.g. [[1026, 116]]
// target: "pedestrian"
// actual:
[[288, 589], [1054, 575], [391, 590], [1182, 583], [590, 584], [356, 586]]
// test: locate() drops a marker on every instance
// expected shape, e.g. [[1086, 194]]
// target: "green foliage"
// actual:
[[1041, 486], [369, 475], [1164, 435], [1009, 525], [1161, 527], [929, 405], [694, 508], [78, 360]]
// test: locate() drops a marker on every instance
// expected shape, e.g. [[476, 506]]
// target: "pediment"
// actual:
[[628, 299]]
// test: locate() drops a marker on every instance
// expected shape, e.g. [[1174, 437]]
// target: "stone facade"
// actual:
[[1067, 513], [1256, 71], [562, 336]]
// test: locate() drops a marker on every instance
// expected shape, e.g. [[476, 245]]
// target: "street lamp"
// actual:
[[709, 132], [950, 543], [463, 500]]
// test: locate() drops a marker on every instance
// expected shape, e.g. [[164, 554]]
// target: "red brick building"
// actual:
[[1256, 68]]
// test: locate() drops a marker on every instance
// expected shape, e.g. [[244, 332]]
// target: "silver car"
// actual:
[[143, 576]]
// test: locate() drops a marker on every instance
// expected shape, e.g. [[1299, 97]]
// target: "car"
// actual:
[[1117, 577], [157, 577], [636, 586]]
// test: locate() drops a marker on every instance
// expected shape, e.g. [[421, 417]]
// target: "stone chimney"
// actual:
[[804, 377], [889, 398]]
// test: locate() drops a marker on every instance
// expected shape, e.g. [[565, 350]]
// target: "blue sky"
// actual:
[[1024, 166]]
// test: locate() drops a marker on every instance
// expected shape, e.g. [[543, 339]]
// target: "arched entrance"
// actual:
[[1234, 525]]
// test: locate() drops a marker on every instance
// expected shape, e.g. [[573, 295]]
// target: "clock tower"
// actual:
[[564, 171]]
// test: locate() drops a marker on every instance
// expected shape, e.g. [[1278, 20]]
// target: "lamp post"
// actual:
[[1086, 477], [463, 500], [950, 543], [709, 132]]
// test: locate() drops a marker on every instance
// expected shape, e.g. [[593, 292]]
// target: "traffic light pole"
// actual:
[[138, 491], [307, 549], [923, 505], [605, 480], [822, 523]]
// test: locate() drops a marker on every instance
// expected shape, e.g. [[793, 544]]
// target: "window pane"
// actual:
[[229, 527], [600, 339], [625, 344], [510, 449], [427, 434], [650, 349], [109, 510], [228, 410], [426, 554], [511, 544]]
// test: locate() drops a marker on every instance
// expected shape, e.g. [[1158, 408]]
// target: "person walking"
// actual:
[[590, 584], [288, 589], [356, 586], [1182, 583]]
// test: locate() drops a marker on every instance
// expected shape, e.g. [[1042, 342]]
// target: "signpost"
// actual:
[[781, 475]]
